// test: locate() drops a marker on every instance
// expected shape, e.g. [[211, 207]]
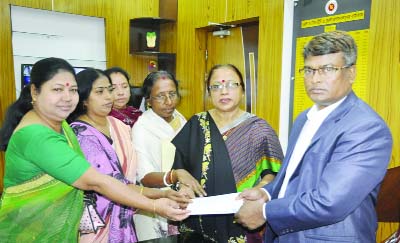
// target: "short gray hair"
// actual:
[[332, 42]]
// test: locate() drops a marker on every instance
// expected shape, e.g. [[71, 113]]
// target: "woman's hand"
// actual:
[[178, 197], [187, 180], [265, 180], [169, 209], [186, 190]]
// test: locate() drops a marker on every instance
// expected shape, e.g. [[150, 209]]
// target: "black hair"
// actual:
[[136, 94], [152, 78], [85, 80], [112, 70], [42, 71], [333, 42], [229, 66]]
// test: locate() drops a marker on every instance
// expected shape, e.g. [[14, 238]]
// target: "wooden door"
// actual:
[[221, 51], [240, 48]]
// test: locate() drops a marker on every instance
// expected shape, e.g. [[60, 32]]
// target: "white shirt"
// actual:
[[149, 133]]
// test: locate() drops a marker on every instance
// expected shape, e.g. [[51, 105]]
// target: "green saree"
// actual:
[[42, 209]]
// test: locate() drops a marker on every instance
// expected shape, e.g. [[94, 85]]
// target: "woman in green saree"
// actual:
[[45, 171]]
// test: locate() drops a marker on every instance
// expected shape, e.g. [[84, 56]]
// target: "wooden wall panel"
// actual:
[[193, 16], [39, 4], [7, 91], [192, 67], [205, 11], [384, 78], [189, 41], [239, 9], [168, 38], [95, 8], [384, 67], [144, 8], [269, 61], [117, 35], [118, 14], [188, 55]]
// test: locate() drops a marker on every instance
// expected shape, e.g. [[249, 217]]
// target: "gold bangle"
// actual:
[[141, 190], [171, 177]]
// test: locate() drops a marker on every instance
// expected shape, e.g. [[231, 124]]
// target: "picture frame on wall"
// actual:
[[26, 73]]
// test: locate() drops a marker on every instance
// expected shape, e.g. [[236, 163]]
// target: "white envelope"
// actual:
[[221, 204]]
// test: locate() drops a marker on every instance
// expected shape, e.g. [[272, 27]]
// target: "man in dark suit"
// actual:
[[337, 156]]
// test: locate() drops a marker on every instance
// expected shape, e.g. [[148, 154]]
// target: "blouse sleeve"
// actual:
[[50, 152]]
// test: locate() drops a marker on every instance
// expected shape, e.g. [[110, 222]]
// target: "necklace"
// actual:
[[103, 128], [227, 133]]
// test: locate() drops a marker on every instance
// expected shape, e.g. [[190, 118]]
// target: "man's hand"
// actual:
[[250, 215], [253, 194]]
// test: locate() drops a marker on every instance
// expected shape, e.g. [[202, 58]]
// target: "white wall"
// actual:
[[37, 34], [284, 119]]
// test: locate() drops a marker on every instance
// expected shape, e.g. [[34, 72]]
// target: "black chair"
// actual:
[[136, 96]]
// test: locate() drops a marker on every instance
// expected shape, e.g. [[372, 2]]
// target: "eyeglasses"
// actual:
[[325, 71], [227, 85], [162, 98]]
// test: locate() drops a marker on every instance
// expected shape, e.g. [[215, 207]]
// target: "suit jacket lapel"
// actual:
[[294, 135], [334, 117], [325, 127]]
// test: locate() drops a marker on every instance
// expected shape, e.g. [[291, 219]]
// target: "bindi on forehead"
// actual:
[[222, 81], [67, 84]]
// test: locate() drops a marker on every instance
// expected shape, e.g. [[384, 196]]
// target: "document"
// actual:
[[221, 204]]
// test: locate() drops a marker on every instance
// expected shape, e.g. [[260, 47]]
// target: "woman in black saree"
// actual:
[[227, 150]]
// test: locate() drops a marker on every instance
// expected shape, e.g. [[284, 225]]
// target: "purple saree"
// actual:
[[100, 152]]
